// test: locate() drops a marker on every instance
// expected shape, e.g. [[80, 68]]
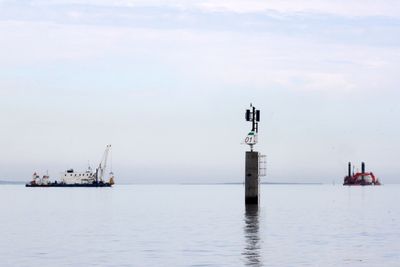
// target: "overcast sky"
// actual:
[[167, 84]]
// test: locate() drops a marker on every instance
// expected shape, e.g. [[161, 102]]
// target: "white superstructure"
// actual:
[[87, 177], [72, 177]]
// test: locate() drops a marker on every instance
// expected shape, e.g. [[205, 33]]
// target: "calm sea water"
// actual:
[[200, 225]]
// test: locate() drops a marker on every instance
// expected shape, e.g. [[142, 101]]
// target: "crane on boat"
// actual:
[[103, 165]]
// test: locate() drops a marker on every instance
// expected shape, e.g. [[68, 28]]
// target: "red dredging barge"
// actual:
[[360, 178]]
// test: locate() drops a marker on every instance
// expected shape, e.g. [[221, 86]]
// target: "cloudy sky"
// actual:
[[167, 84]]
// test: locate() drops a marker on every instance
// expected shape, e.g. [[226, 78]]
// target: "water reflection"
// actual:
[[251, 233]]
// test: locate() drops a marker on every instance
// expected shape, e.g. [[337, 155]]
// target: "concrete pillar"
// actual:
[[251, 180]]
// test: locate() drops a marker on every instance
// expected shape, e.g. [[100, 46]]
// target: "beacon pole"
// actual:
[[252, 159]]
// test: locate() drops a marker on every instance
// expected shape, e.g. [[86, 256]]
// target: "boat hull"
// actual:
[[365, 184], [70, 185], [354, 181]]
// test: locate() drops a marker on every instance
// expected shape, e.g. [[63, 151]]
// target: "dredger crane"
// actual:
[[102, 165]]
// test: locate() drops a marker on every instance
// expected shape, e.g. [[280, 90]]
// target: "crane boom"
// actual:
[[103, 164]]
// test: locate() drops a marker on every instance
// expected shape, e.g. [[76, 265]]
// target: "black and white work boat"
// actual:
[[70, 178]]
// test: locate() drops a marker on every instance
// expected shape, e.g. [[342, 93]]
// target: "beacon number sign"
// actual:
[[251, 138]]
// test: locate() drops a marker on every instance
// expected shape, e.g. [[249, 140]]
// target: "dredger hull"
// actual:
[[70, 185]]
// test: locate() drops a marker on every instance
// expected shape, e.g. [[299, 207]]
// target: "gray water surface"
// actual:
[[200, 225]]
